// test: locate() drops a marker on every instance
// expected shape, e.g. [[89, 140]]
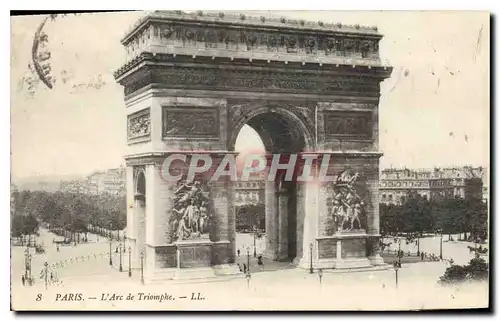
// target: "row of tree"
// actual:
[[66, 212], [25, 228], [417, 215]]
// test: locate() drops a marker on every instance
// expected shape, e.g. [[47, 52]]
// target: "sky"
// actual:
[[434, 110]]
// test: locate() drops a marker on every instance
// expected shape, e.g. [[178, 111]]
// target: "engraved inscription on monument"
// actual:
[[190, 122]]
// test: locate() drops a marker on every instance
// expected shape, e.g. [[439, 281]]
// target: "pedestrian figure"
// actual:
[[58, 248], [422, 256], [238, 252], [244, 268], [23, 280], [116, 251], [259, 260]]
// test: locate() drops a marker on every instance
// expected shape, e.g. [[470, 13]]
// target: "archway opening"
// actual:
[[272, 132], [141, 185], [140, 215]]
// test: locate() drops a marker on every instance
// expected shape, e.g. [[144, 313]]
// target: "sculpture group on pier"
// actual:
[[348, 206], [190, 212]]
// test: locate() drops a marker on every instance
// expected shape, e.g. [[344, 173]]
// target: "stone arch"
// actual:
[[314, 97], [139, 219], [283, 129], [140, 182], [293, 120]]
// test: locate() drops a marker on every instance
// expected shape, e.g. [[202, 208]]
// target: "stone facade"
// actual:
[[438, 183], [111, 182], [191, 81], [251, 191]]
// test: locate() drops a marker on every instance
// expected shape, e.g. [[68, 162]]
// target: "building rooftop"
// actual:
[[433, 173]]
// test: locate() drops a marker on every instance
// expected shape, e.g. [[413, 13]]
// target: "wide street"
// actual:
[[90, 258], [283, 289], [277, 284], [458, 251]]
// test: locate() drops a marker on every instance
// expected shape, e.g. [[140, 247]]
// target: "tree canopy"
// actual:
[[250, 215], [71, 212], [417, 215]]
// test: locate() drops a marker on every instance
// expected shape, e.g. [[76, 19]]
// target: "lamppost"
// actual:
[[29, 269], [46, 273], [248, 260], [254, 242], [441, 247], [129, 262], [397, 265], [311, 271], [320, 274], [110, 260], [26, 252], [399, 252], [121, 266], [248, 276], [142, 267], [418, 245]]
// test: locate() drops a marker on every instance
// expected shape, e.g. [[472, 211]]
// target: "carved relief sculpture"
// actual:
[[139, 124], [348, 125], [190, 215], [195, 122], [348, 207]]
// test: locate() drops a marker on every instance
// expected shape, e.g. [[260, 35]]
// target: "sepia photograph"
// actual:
[[195, 160]]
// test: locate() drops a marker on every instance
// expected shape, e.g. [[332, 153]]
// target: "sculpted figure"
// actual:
[[356, 214], [182, 231], [195, 224], [203, 218], [347, 204], [189, 213], [190, 210]]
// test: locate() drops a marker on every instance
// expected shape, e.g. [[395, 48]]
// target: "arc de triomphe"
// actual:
[[191, 81]]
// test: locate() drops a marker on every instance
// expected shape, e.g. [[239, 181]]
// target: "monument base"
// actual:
[[194, 273], [376, 260], [352, 263], [194, 253], [227, 270], [270, 255], [343, 250]]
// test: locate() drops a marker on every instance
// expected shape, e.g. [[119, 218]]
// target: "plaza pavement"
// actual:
[[277, 286], [291, 289]]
